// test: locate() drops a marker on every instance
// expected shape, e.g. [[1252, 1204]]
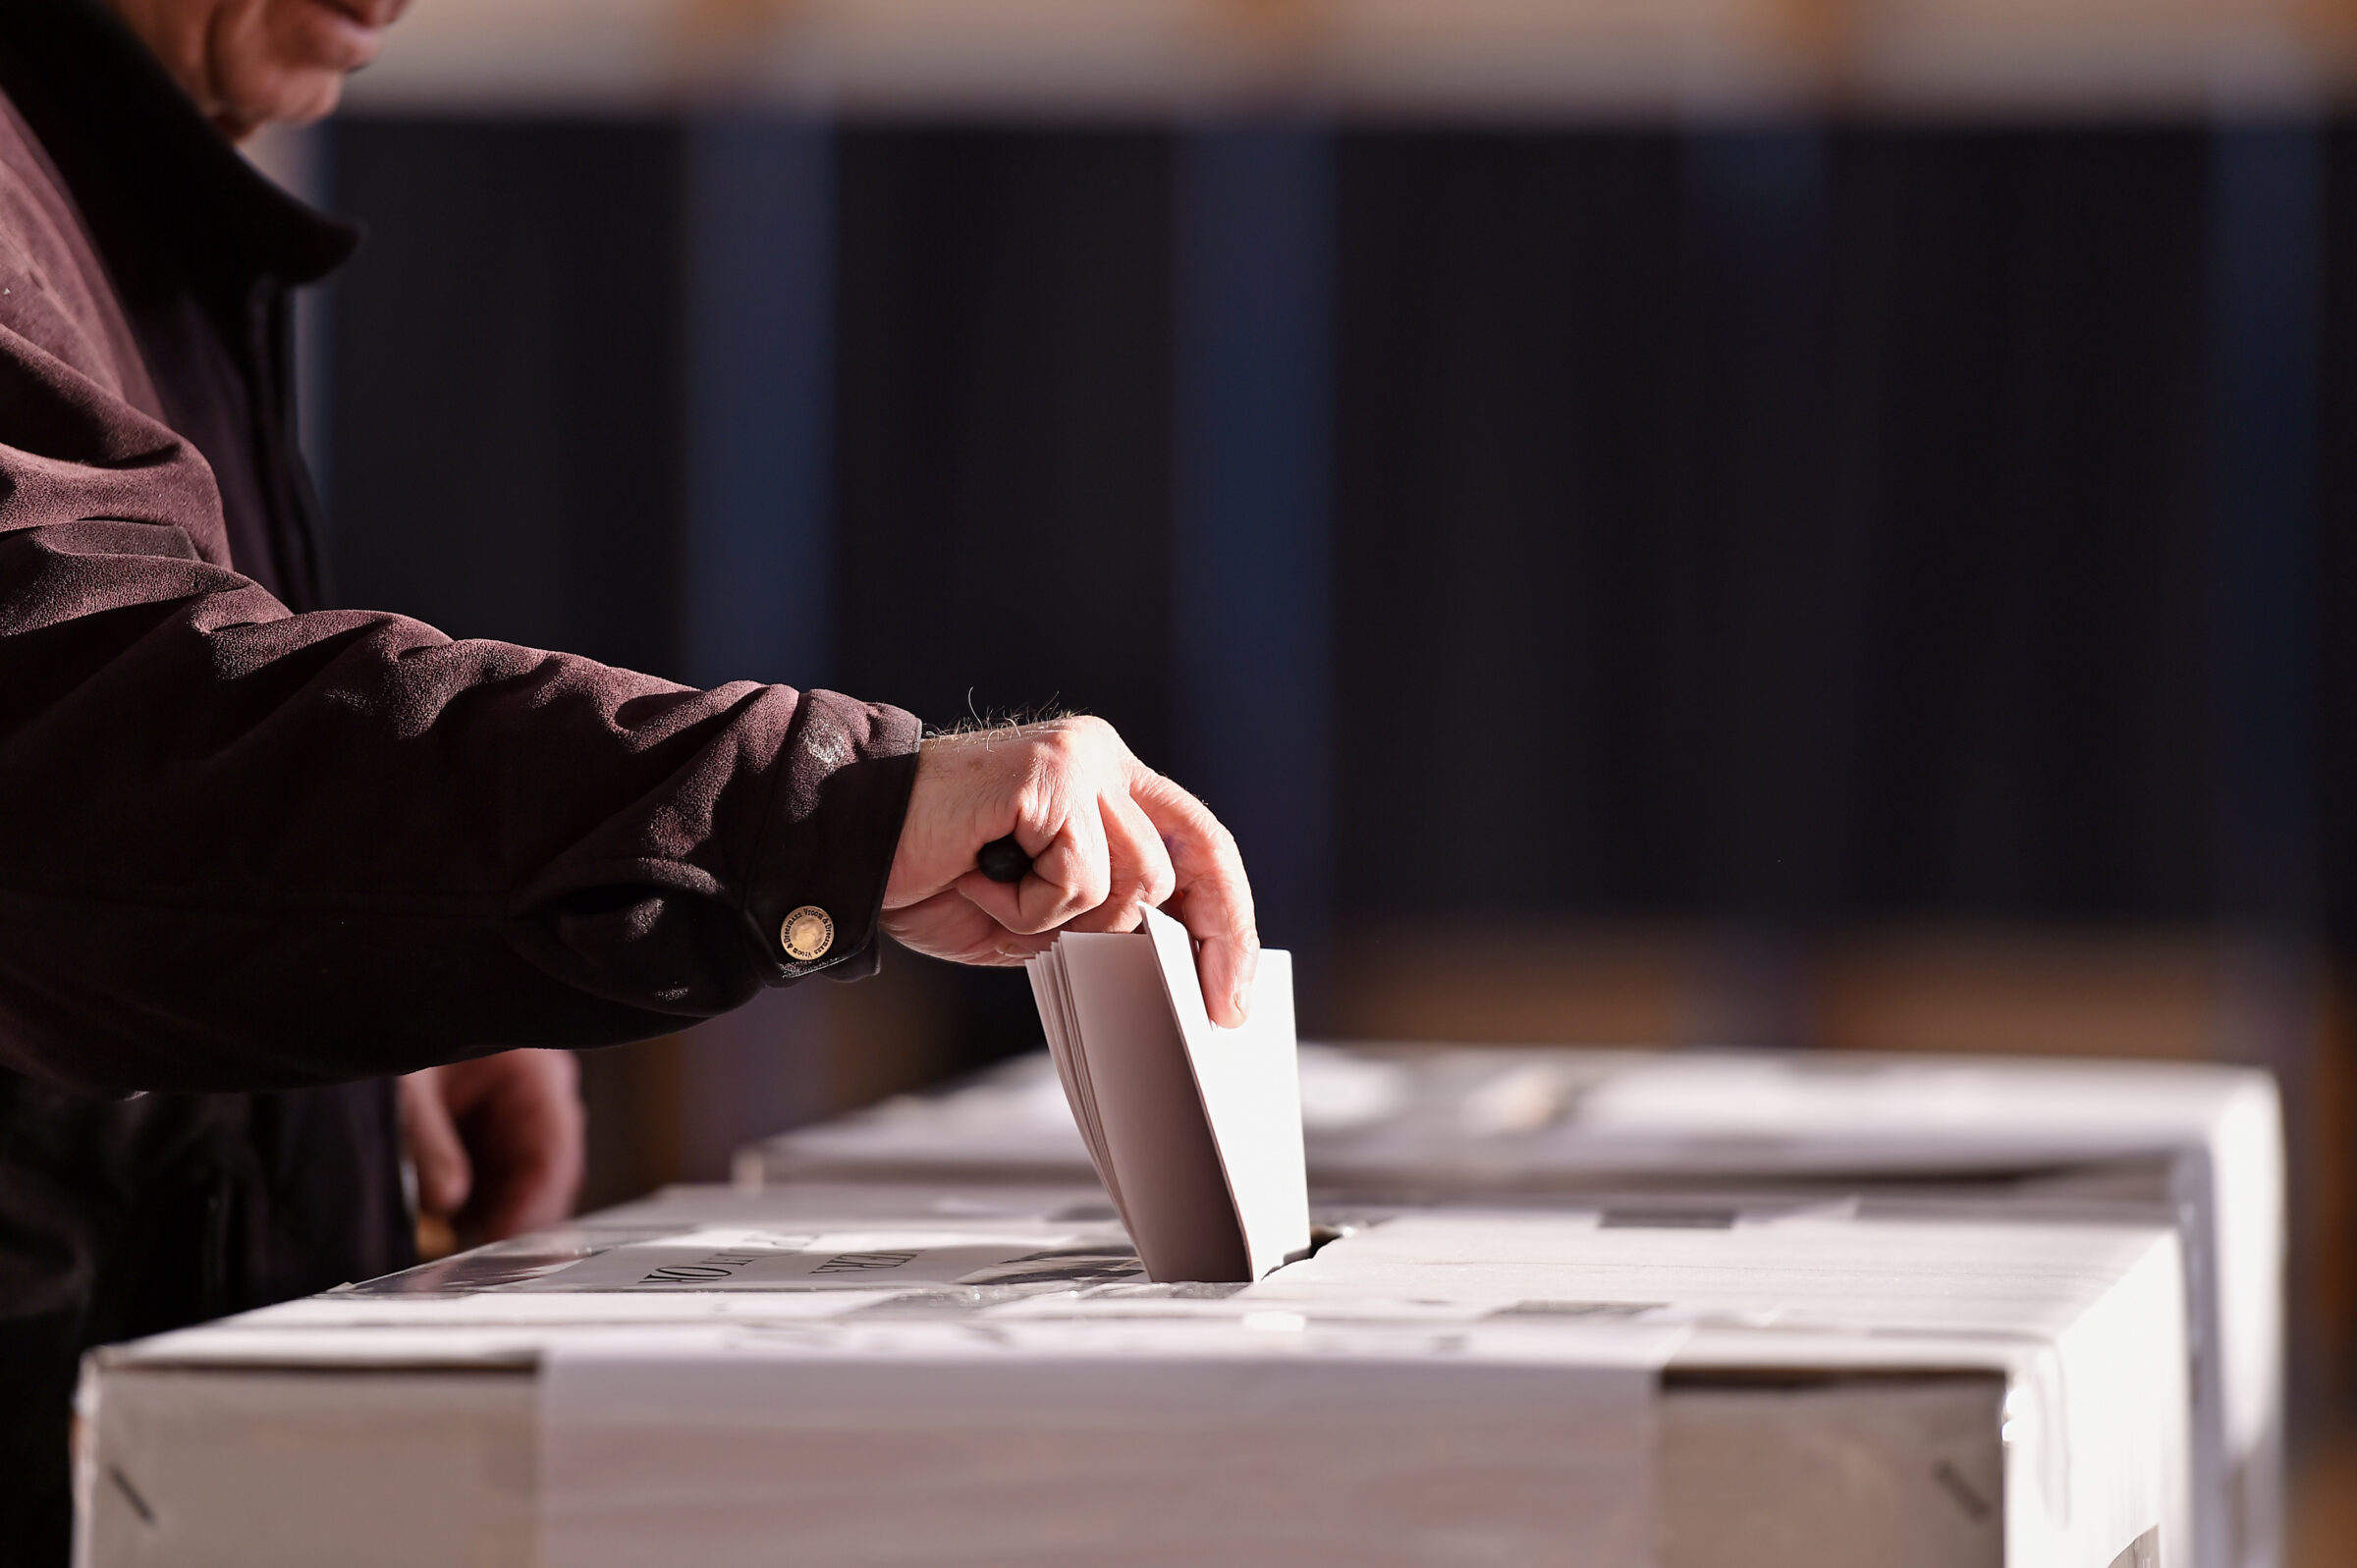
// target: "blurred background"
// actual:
[[1782, 523]]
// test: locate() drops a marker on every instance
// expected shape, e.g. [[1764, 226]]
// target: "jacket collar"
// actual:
[[225, 219]]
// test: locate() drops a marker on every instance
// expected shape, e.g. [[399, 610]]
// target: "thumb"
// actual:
[[444, 1175]]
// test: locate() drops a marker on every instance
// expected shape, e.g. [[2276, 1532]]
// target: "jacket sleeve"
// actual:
[[245, 848]]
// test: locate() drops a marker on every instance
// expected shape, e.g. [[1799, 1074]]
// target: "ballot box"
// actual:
[[2196, 1146], [983, 1375]]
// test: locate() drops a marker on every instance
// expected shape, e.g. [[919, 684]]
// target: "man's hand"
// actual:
[[1108, 836], [497, 1142]]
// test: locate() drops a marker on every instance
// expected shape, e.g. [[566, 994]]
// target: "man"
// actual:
[[256, 855]]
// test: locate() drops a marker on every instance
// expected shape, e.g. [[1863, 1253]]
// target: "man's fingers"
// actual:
[[1212, 898], [1141, 877], [951, 925], [1142, 869], [444, 1175], [1070, 875]]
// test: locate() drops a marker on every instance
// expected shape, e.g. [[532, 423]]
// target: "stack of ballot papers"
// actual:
[[1194, 1131], [984, 1375], [2197, 1146]]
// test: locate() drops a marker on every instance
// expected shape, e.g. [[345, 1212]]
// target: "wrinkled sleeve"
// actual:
[[245, 848]]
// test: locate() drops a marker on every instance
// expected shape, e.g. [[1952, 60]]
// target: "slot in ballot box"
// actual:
[[2196, 1146], [834, 1374]]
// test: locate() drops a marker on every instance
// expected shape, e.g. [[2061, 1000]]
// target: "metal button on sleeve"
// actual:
[[807, 934]]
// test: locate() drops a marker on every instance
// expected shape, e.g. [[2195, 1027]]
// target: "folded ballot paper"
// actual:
[[983, 1376], [1195, 1130]]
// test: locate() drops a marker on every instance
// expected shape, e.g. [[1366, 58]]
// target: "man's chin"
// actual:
[[297, 99]]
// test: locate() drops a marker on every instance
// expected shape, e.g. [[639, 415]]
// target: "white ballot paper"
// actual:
[[1195, 1130]]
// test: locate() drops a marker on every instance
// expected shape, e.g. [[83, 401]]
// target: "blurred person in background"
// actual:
[[257, 857]]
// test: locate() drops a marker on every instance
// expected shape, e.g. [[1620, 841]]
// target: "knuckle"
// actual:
[[1042, 766], [1192, 808]]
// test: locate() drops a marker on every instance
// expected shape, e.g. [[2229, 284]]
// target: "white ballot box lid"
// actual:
[[2194, 1145], [712, 1366]]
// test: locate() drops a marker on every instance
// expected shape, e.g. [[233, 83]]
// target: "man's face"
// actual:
[[251, 62]]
